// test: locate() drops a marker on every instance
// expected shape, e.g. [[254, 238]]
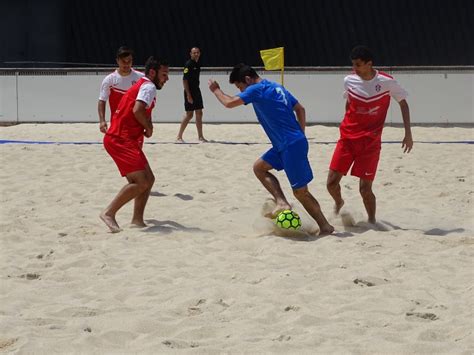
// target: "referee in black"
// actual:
[[192, 95]]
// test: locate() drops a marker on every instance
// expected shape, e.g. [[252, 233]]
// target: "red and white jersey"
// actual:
[[114, 86], [124, 124], [368, 102]]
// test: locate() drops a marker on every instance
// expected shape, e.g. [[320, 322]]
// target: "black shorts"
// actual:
[[197, 101]]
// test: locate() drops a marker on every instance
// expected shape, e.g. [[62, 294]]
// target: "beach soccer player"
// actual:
[[367, 92], [123, 141], [116, 84], [275, 108]]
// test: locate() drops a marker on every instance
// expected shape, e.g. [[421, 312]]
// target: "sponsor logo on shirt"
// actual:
[[367, 111], [377, 87]]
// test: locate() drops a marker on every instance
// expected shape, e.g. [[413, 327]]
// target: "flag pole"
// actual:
[[283, 67]]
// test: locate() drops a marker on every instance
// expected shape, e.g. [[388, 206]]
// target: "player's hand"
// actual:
[[213, 85], [103, 127], [189, 98], [407, 144], [149, 131]]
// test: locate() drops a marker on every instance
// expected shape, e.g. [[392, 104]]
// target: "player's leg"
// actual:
[[188, 116], [261, 169], [365, 168], [138, 182], [141, 200], [365, 189], [199, 125], [341, 161], [299, 173], [334, 189], [311, 205]]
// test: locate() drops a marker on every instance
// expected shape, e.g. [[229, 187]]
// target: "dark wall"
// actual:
[[32, 31], [313, 32]]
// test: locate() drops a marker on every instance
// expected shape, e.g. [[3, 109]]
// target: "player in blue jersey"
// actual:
[[275, 108]]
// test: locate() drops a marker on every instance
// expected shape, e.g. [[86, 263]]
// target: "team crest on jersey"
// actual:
[[134, 82], [186, 70], [377, 87]]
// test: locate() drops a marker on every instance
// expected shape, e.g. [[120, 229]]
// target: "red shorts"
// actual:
[[363, 152], [127, 154]]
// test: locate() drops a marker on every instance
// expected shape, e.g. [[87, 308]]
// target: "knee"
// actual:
[[257, 169], [301, 193], [365, 191], [151, 181], [148, 183]]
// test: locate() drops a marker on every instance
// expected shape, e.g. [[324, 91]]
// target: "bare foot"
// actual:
[[110, 222], [179, 141], [203, 140], [277, 210], [138, 224], [338, 206], [326, 230]]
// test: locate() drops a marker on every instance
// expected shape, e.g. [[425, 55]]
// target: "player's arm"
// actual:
[[101, 112], [139, 110], [407, 143], [224, 99], [189, 97], [300, 115], [103, 97]]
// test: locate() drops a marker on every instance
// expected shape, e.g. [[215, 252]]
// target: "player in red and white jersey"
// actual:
[[123, 141], [367, 92], [116, 84]]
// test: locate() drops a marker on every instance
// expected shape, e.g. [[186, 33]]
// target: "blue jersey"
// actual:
[[273, 105]]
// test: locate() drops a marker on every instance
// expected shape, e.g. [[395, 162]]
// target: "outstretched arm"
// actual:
[[300, 115], [224, 99], [407, 143]]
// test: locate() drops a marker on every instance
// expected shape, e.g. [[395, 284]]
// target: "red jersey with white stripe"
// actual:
[[368, 102], [124, 124], [115, 85]]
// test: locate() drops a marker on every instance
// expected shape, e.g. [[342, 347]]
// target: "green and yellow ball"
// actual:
[[288, 219]]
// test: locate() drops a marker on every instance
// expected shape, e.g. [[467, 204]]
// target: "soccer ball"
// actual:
[[288, 220]]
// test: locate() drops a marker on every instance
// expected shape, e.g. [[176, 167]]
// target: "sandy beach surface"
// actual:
[[209, 274]]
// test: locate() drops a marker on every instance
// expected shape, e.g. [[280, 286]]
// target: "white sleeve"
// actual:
[[147, 93], [105, 89], [397, 92], [344, 94]]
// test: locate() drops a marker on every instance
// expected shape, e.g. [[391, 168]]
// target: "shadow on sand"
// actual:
[[167, 227]]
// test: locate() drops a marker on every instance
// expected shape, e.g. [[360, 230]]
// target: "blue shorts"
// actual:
[[294, 160]]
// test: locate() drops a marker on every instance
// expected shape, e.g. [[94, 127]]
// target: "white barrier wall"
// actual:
[[434, 97]]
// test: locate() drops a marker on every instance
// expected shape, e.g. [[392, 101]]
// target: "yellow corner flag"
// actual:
[[274, 59]]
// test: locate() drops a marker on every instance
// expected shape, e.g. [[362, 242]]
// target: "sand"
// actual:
[[209, 274]]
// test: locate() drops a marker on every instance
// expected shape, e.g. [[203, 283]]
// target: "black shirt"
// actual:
[[191, 73]]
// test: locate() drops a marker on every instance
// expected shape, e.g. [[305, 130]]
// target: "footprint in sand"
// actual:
[[5, 343], [421, 316]]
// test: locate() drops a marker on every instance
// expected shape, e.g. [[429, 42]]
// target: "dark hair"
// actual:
[[362, 52], [239, 73], [154, 63], [124, 51]]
